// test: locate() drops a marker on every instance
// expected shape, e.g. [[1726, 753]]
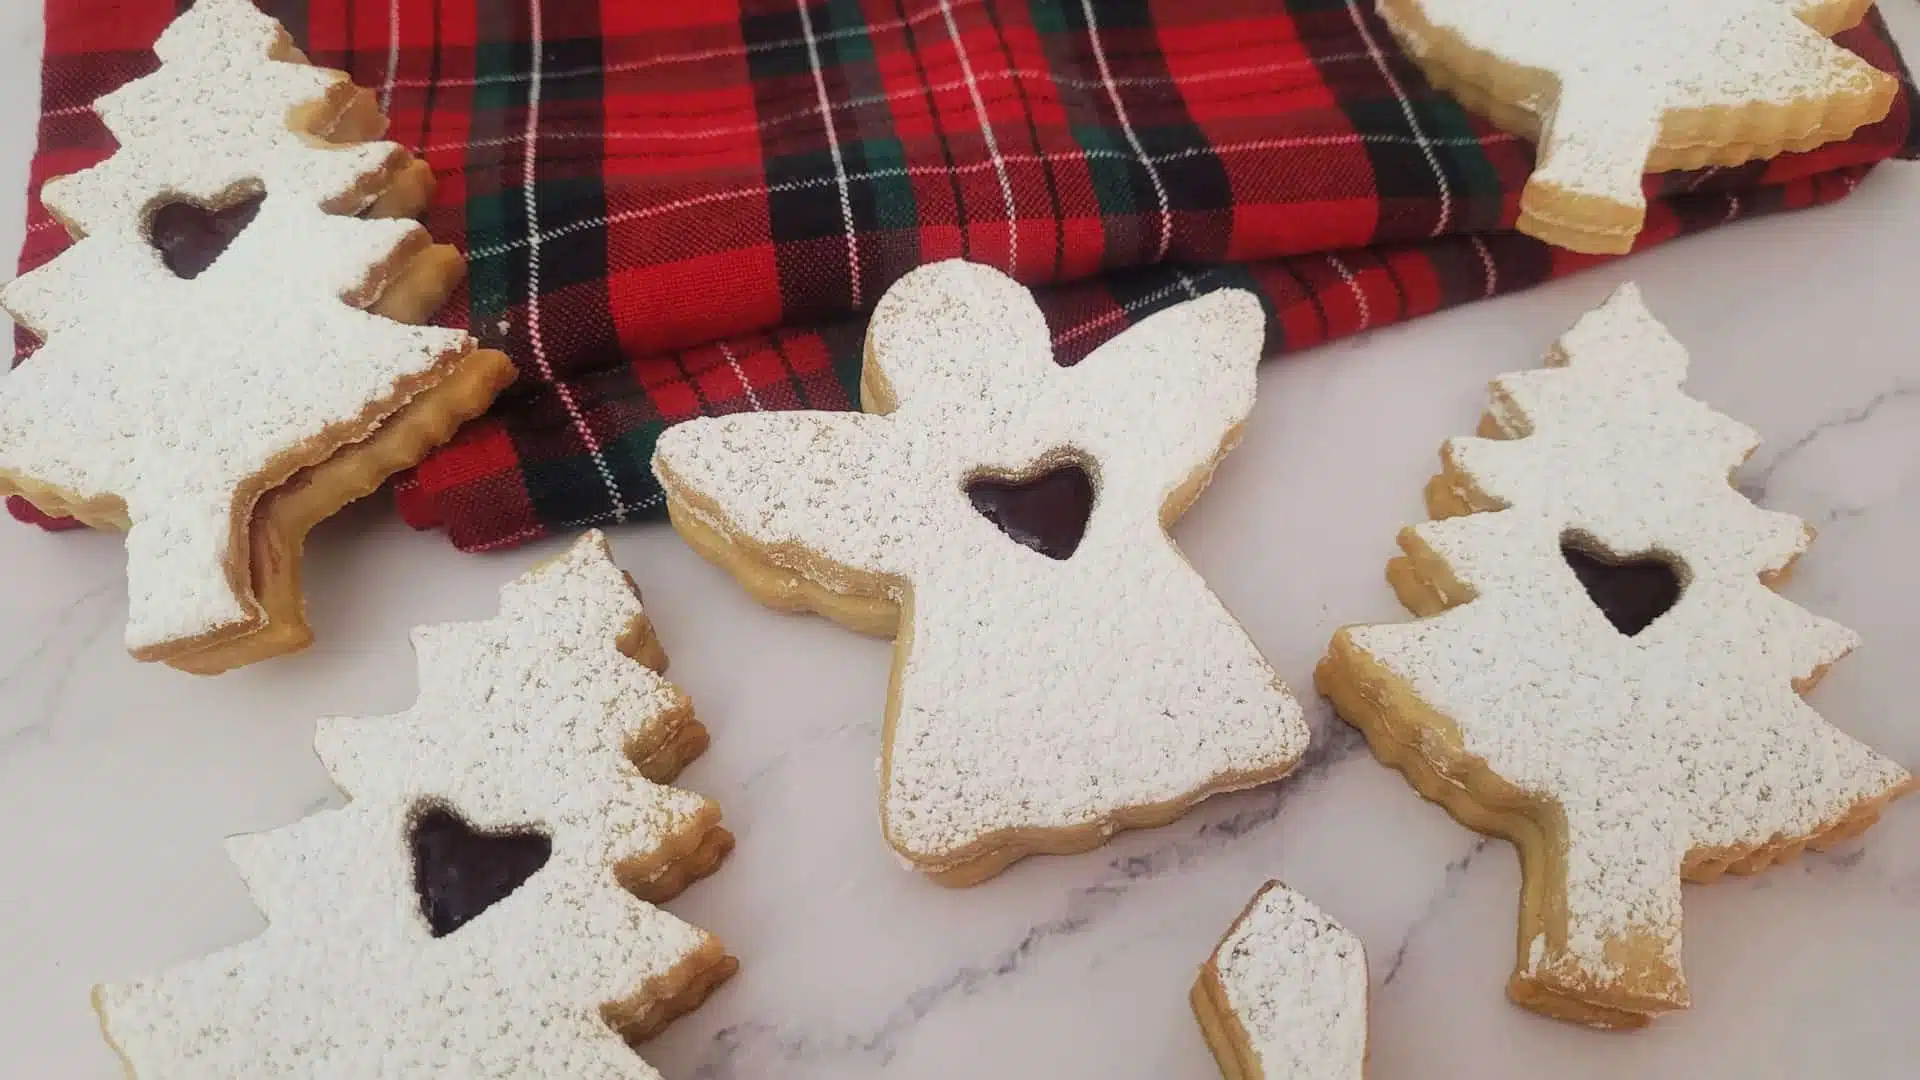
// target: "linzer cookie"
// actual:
[[1060, 671], [1602, 675], [1612, 89], [1284, 997], [482, 905], [226, 359]]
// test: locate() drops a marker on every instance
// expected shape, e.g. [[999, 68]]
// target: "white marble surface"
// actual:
[[117, 781]]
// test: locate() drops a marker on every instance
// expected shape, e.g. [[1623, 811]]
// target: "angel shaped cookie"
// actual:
[[1060, 671], [1613, 89], [483, 905], [1603, 676]]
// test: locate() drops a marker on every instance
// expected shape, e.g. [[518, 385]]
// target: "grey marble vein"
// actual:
[[1754, 486], [786, 754], [1456, 872], [52, 662], [734, 1046]]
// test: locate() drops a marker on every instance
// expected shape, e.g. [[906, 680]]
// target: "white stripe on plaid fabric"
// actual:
[[733, 362], [865, 101], [833, 145], [1164, 292], [393, 54], [1133, 139], [1701, 177], [709, 198], [1353, 284], [1172, 155], [993, 145], [1413, 124], [532, 532], [722, 53], [511, 540], [1486, 263], [529, 184]]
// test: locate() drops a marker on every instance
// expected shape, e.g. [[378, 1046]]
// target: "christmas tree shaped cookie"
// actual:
[[1284, 997], [224, 360], [1603, 676], [1060, 671], [472, 910], [1612, 89]]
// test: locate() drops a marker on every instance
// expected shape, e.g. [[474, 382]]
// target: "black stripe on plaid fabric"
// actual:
[[1188, 185], [912, 36], [1036, 147], [1402, 301], [495, 208], [1464, 269], [1128, 208], [349, 58], [846, 345], [1517, 261], [291, 13], [1138, 294], [809, 227], [1876, 23], [609, 410], [1420, 138], [1055, 210], [561, 483], [433, 79], [1305, 289], [823, 234]]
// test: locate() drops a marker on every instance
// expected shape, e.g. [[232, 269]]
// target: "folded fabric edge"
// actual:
[[1898, 135], [478, 489]]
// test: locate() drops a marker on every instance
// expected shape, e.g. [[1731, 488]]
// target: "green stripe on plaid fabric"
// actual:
[[722, 189]]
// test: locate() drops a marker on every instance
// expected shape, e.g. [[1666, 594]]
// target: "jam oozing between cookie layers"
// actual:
[[190, 237], [1630, 592], [460, 872], [1047, 512]]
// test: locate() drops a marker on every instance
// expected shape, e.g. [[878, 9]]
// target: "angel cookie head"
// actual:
[[1060, 672], [1604, 676]]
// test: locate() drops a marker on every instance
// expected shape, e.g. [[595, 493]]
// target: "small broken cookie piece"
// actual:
[[1602, 674], [1284, 996], [483, 903], [227, 323], [1610, 90], [1060, 671]]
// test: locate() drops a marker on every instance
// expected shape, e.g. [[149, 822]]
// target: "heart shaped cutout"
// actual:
[[1631, 592], [460, 872], [1047, 511], [190, 237]]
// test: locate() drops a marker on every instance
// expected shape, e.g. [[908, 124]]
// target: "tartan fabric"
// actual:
[[675, 209]]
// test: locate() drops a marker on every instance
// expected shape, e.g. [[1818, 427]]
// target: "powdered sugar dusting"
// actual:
[[174, 394], [1684, 738], [1622, 67], [522, 722], [1297, 982], [1033, 693]]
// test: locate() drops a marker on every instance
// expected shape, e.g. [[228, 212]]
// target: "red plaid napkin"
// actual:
[[682, 208]]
